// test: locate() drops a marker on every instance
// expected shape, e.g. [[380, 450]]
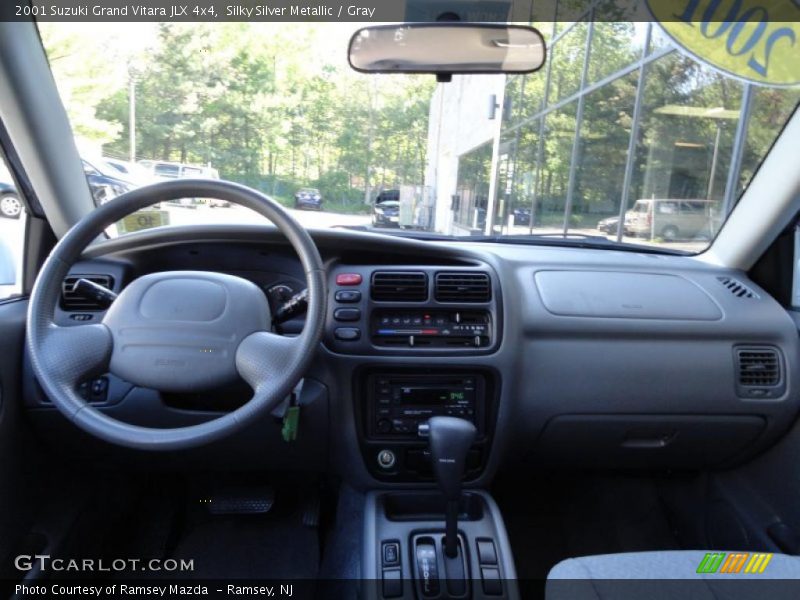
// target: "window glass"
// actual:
[[166, 170], [472, 190], [515, 106], [567, 54], [770, 108], [276, 107], [517, 182], [602, 154], [685, 142], [12, 235], [614, 47], [559, 134], [658, 39]]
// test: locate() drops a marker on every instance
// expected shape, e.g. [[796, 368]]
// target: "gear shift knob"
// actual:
[[450, 439]]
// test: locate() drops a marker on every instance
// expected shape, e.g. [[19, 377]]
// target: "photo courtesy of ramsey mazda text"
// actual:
[[408, 300]]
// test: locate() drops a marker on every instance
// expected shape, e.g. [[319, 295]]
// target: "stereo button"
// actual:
[[347, 334], [347, 314], [348, 296]]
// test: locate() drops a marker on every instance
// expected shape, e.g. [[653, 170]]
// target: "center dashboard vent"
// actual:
[[399, 286], [758, 371], [74, 301], [463, 286]]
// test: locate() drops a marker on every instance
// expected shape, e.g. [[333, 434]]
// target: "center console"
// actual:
[[394, 402], [403, 548]]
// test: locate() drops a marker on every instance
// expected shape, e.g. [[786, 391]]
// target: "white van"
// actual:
[[672, 219], [172, 170], [162, 170]]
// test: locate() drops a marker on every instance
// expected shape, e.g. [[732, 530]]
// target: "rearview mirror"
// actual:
[[447, 48]]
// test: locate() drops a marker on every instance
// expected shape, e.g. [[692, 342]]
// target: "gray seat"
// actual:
[[674, 575]]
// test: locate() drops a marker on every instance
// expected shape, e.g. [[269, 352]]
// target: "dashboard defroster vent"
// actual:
[[737, 288], [75, 301], [399, 286], [758, 371], [464, 286]]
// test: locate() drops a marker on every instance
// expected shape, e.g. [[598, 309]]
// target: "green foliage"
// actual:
[[265, 104]]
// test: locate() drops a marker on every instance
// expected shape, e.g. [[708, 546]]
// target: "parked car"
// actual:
[[161, 169], [106, 182], [522, 216], [130, 170], [671, 219], [10, 204], [164, 170], [386, 214], [308, 198]]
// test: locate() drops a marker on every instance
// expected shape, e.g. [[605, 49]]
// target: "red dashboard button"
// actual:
[[348, 279]]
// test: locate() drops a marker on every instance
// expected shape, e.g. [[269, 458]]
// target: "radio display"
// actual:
[[433, 395]]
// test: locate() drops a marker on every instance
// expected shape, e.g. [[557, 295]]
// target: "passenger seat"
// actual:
[[674, 575]]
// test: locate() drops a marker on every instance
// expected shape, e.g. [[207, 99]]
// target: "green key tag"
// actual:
[[290, 421]]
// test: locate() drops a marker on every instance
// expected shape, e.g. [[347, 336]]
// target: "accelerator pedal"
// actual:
[[246, 500]]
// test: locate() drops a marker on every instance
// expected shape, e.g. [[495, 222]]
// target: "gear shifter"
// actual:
[[450, 439]]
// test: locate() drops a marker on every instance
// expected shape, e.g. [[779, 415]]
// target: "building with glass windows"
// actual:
[[620, 134]]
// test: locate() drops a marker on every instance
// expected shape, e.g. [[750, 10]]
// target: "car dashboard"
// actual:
[[561, 357]]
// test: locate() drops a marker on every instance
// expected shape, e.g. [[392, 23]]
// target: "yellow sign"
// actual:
[[756, 40], [143, 219]]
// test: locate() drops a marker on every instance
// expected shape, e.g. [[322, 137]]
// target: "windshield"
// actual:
[[621, 137]]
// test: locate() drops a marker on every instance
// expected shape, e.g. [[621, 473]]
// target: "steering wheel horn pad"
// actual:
[[178, 331], [182, 331]]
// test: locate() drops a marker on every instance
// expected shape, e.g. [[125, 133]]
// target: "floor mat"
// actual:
[[250, 546]]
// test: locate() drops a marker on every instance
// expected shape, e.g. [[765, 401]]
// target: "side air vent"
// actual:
[[73, 301], [737, 288], [758, 371], [399, 286], [464, 286]]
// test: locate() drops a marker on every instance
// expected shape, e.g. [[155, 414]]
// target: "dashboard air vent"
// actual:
[[464, 286], [737, 288], [758, 367], [399, 286], [74, 301]]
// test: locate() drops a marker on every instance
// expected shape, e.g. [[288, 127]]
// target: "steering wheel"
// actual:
[[174, 331]]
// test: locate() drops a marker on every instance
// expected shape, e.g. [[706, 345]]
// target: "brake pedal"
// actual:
[[248, 500]]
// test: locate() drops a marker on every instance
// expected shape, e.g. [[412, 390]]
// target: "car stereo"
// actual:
[[399, 403]]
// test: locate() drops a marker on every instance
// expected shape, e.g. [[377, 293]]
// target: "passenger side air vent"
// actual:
[[737, 288], [399, 286], [464, 286], [758, 371], [74, 301]]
